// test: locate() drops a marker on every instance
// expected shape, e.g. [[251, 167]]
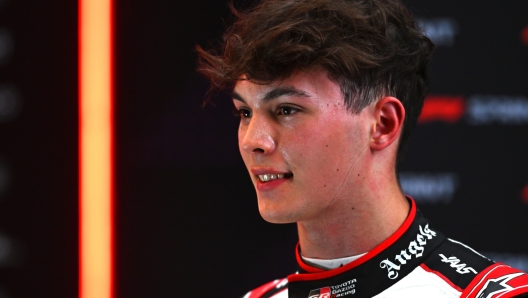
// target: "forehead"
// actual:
[[313, 85]]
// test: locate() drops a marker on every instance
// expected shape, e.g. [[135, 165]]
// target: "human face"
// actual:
[[303, 148]]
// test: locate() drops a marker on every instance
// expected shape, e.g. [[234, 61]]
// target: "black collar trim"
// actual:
[[374, 272]]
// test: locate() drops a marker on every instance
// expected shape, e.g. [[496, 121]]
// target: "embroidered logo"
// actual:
[[497, 285], [415, 248], [454, 263], [320, 293], [341, 290]]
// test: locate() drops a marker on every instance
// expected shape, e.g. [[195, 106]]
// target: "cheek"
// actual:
[[297, 147], [325, 149], [313, 147]]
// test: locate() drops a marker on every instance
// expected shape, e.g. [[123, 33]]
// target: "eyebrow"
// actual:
[[275, 93]]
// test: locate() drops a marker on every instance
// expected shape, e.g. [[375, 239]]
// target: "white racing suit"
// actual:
[[417, 261]]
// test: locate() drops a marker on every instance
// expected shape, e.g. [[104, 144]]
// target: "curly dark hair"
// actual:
[[371, 48]]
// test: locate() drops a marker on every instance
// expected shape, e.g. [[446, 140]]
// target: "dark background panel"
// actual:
[[38, 149]]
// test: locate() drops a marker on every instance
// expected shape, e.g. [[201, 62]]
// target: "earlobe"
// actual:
[[390, 114]]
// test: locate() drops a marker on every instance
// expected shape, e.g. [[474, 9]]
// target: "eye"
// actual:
[[287, 110], [243, 113]]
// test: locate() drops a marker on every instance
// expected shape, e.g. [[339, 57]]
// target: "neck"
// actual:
[[356, 222]]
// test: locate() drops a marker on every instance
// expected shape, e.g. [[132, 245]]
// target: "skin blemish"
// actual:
[[337, 170]]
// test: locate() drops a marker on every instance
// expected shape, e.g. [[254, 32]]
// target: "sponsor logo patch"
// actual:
[[497, 280], [320, 293], [416, 249], [340, 290], [454, 262], [497, 285]]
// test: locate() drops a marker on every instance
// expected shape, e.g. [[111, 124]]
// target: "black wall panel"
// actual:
[[38, 149]]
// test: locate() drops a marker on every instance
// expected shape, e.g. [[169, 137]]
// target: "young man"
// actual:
[[328, 92]]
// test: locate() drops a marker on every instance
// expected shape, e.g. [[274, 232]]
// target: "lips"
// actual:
[[269, 179]]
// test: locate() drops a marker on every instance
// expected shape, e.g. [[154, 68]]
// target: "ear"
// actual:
[[389, 115]]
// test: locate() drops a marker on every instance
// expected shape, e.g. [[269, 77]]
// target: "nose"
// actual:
[[257, 138]]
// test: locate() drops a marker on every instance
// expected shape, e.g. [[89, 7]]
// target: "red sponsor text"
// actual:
[[442, 108], [524, 35], [524, 194]]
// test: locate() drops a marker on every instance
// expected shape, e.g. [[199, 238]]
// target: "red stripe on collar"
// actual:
[[316, 273]]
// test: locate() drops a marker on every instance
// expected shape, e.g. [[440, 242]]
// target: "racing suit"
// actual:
[[416, 261]]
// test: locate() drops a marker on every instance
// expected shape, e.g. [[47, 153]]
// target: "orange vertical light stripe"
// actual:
[[95, 149]]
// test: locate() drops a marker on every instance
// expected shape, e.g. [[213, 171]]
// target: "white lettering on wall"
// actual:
[[6, 45], [488, 109], [441, 31], [10, 102], [429, 188], [4, 178]]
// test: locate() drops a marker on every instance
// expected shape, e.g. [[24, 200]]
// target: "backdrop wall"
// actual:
[[187, 222]]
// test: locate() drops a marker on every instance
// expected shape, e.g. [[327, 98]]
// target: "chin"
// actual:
[[276, 217]]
